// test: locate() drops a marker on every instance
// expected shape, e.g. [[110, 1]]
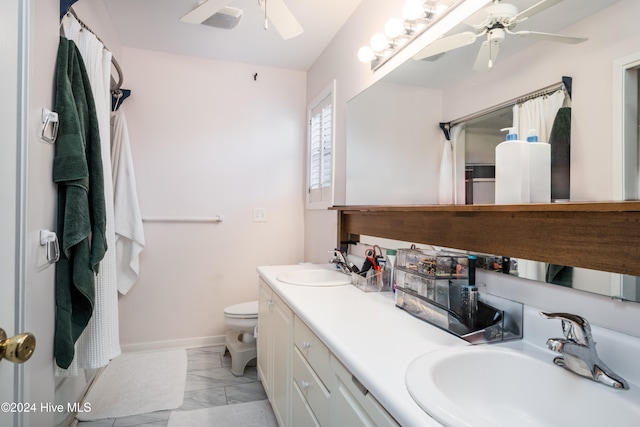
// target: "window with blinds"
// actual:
[[320, 163]]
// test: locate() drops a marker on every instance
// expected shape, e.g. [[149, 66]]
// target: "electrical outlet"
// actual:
[[260, 215]]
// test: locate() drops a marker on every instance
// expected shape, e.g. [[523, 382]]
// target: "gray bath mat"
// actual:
[[137, 383]]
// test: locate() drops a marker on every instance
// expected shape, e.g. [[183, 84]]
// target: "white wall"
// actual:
[[207, 139]]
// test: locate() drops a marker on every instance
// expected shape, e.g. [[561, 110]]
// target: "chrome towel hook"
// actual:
[[49, 118]]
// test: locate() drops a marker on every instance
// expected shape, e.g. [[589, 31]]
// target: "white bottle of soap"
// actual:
[[539, 169], [512, 170]]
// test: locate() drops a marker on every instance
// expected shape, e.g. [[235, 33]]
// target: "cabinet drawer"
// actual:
[[361, 395], [315, 393], [316, 353], [302, 414]]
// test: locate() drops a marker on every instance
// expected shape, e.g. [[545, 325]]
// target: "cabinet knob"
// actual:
[[304, 385], [306, 345]]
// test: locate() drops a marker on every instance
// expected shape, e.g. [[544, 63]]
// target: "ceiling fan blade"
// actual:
[[446, 44], [486, 56], [536, 8], [282, 18], [203, 11], [549, 37]]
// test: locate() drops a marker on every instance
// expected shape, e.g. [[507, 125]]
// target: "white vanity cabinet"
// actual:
[[305, 383], [275, 351]]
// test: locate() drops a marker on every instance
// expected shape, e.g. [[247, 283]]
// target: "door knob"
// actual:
[[18, 348]]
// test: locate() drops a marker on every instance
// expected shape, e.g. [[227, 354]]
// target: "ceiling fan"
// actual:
[[495, 21], [276, 11]]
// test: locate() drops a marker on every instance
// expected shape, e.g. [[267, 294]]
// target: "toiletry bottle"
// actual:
[[539, 169], [387, 272], [512, 170]]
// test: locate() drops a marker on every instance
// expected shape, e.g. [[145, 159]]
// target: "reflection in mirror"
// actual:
[[618, 286], [408, 157], [482, 135], [476, 140]]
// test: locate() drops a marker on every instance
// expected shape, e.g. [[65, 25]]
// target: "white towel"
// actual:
[[100, 341], [128, 220]]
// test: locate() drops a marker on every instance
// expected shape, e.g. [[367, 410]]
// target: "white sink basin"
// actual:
[[485, 386], [315, 277]]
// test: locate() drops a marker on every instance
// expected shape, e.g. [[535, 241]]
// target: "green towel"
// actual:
[[81, 220]]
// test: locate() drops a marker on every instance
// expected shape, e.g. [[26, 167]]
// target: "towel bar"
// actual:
[[217, 218]]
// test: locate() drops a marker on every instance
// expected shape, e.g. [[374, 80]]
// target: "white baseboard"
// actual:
[[195, 342]]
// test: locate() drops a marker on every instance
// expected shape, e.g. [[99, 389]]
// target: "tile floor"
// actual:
[[209, 383]]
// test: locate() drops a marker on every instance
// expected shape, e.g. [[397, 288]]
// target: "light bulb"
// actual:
[[440, 7], [365, 54], [379, 42], [413, 9], [393, 28]]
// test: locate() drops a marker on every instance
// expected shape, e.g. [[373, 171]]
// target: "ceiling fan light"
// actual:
[[393, 28], [413, 9], [366, 54], [379, 42]]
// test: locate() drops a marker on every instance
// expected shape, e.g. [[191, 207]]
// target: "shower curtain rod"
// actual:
[[115, 86], [565, 83]]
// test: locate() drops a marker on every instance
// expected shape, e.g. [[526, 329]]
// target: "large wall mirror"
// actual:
[[395, 145]]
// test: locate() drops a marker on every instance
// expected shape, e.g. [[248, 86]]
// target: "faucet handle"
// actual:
[[574, 327], [337, 256]]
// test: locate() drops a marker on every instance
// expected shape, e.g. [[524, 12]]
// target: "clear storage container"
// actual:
[[436, 264]]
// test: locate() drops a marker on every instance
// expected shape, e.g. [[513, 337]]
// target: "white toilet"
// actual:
[[240, 341]]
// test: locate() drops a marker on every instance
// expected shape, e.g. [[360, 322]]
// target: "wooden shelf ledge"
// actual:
[[597, 235]]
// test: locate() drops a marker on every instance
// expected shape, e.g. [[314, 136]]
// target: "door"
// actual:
[[8, 191]]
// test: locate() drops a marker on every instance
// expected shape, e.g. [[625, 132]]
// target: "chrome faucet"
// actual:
[[340, 260], [579, 351]]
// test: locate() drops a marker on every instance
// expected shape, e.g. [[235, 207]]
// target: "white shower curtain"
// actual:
[[539, 114], [100, 341]]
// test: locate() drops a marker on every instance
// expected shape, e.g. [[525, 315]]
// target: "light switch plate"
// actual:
[[260, 215]]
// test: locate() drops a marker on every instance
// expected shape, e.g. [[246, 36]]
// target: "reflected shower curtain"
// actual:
[[452, 165], [100, 341], [445, 191], [539, 114]]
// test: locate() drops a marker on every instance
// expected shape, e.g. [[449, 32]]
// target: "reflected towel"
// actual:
[[560, 141]]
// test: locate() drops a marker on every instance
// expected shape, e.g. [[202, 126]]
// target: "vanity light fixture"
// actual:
[[417, 14]]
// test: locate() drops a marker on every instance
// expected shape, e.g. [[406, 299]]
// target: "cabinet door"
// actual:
[[282, 354], [347, 410], [264, 333], [353, 405]]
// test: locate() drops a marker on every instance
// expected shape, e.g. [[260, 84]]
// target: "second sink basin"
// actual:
[[483, 386], [314, 277]]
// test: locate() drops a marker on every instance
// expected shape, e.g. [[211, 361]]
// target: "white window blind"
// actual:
[[320, 166]]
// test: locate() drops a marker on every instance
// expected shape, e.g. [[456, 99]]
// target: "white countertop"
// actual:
[[372, 337]]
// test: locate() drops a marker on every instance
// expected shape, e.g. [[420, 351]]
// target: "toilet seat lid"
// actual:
[[245, 310]]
